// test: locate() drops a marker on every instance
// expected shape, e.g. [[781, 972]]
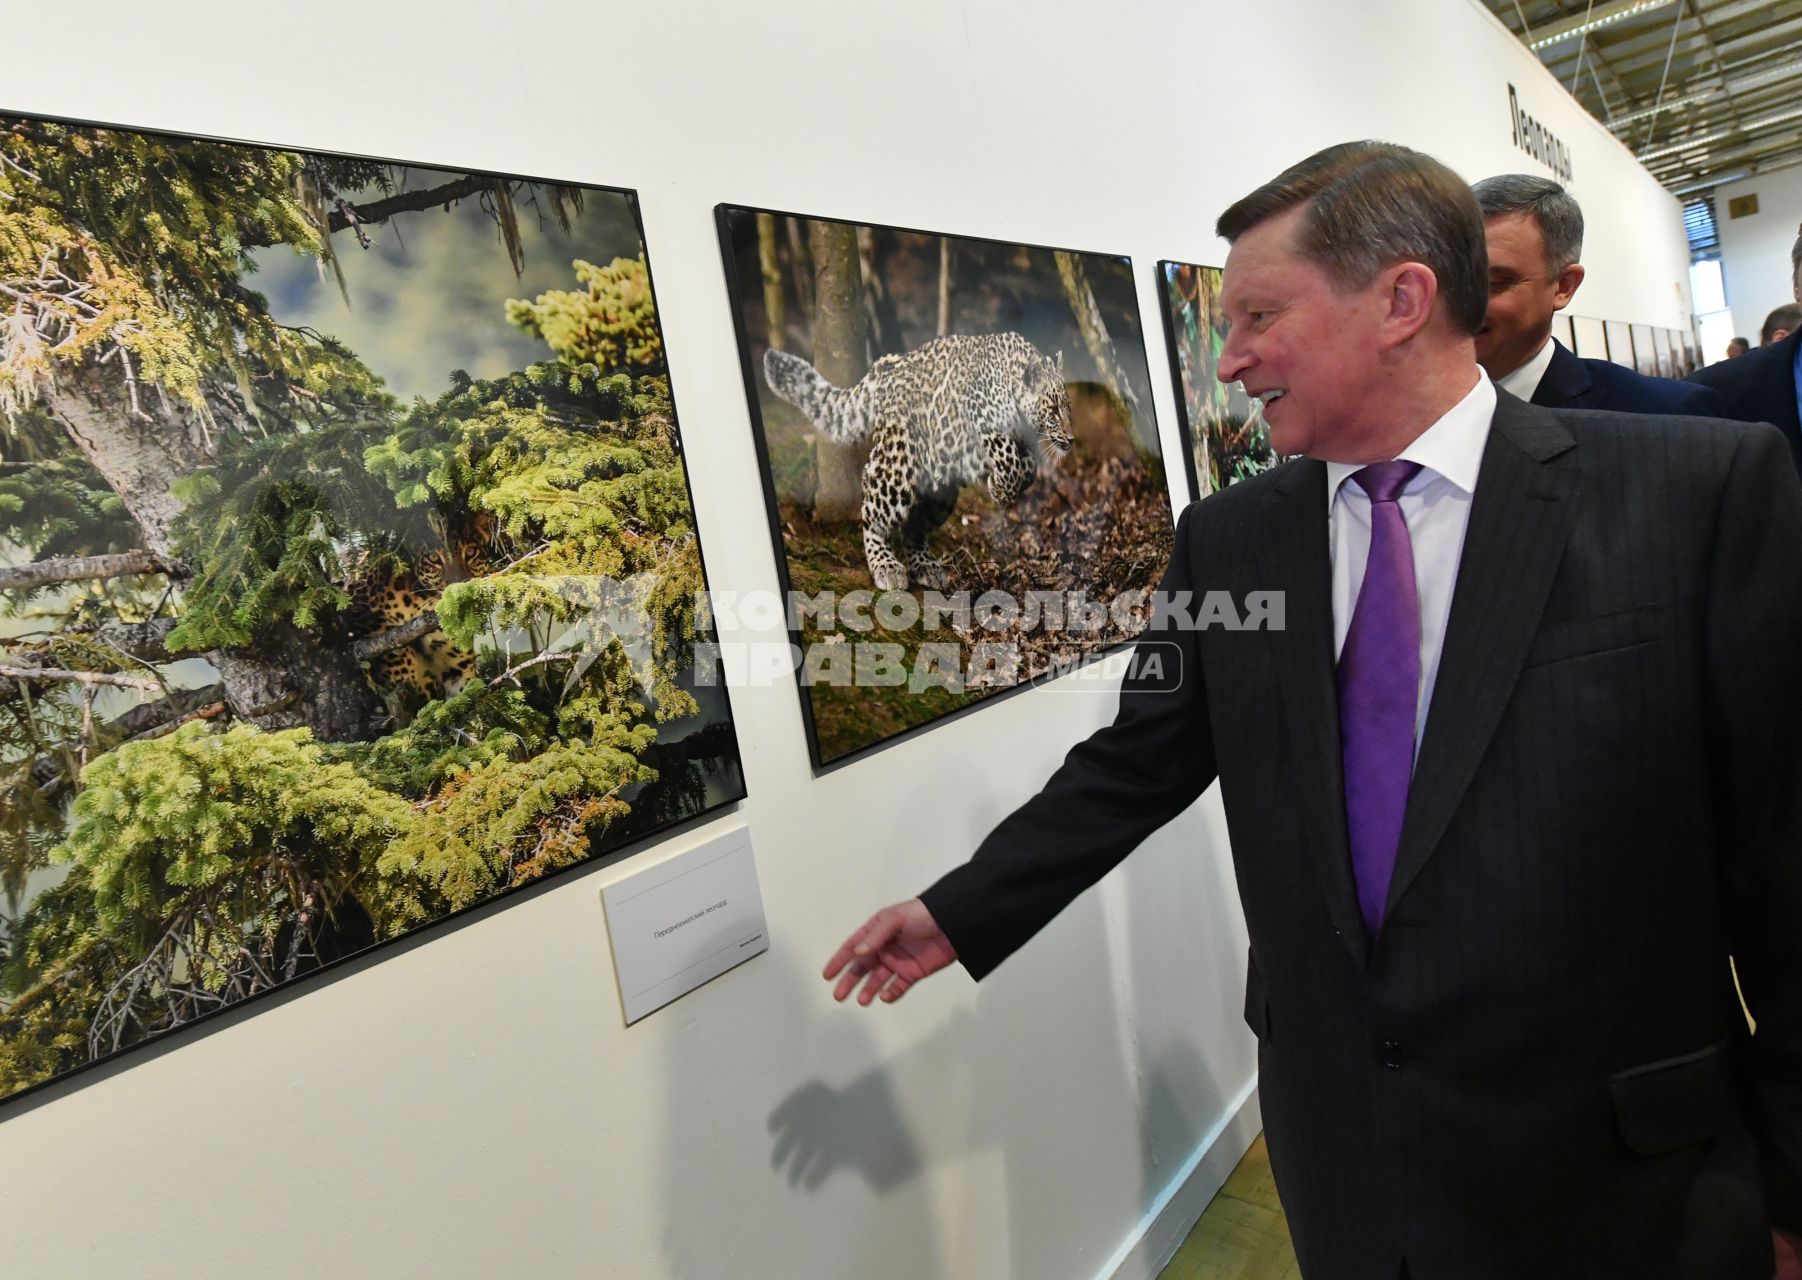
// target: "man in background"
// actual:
[[1534, 231], [1782, 322], [1765, 385], [1737, 347]]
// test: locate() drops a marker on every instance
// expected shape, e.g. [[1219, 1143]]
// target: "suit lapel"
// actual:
[[1296, 561], [1520, 519]]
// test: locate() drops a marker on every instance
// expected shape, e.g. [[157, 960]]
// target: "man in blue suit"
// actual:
[[1765, 385], [1534, 231]]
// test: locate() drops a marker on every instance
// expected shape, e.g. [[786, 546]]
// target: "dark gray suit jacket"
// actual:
[[1540, 1067]]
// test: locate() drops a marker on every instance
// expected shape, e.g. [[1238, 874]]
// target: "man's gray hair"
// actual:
[[1552, 207], [1795, 266], [1370, 205]]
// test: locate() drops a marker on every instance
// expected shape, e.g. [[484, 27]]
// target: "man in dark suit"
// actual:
[[1519, 771], [1765, 384], [1534, 232], [1780, 323]]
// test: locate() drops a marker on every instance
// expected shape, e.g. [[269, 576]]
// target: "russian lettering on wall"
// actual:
[[1538, 141]]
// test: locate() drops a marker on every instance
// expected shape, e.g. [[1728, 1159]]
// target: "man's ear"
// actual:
[[1567, 283], [1411, 288]]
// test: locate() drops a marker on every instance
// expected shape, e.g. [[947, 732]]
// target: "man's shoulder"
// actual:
[[1641, 441], [1246, 499], [1634, 392], [1761, 363]]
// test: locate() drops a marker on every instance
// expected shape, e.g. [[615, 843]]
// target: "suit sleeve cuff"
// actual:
[[966, 935], [1783, 1193]]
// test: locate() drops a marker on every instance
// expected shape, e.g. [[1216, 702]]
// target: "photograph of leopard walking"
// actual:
[[956, 419]]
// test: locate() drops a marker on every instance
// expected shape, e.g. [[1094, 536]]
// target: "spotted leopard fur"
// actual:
[[390, 593], [967, 409]]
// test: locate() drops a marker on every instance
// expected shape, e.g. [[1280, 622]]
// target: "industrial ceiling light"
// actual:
[[1704, 185], [1598, 18], [1673, 104], [1703, 140]]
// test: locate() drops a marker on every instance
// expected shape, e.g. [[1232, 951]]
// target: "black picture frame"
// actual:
[[1133, 361], [1176, 281], [724, 789]]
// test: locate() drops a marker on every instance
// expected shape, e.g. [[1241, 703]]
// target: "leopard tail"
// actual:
[[838, 411]]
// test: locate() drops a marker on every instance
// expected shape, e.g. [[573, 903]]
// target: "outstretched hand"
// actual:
[[1788, 1247], [896, 947]]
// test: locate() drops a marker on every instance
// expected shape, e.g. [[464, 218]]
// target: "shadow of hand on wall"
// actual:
[[819, 1129], [880, 1124]]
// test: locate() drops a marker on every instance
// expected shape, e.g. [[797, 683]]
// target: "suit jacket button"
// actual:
[[1393, 1054]]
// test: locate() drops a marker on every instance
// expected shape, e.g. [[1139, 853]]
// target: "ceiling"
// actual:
[[1702, 91]]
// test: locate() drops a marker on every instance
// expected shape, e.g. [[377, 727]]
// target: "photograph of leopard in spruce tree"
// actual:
[[950, 418], [348, 569]]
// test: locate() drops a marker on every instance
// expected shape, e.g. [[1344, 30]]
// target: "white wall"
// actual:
[[1755, 250], [471, 1106]]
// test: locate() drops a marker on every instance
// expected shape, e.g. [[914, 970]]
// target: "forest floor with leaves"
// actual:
[[1098, 523]]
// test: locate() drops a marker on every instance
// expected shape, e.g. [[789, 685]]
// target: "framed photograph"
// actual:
[[350, 571], [1564, 329], [1620, 343], [1645, 351], [1661, 353], [1223, 430], [1691, 358], [1591, 340], [959, 430]]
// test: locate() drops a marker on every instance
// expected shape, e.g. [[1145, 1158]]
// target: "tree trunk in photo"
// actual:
[[1075, 279], [289, 679], [879, 308], [944, 324], [838, 353], [140, 460], [772, 282], [1215, 419], [800, 265]]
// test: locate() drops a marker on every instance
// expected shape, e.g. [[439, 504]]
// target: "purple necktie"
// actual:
[[1379, 683]]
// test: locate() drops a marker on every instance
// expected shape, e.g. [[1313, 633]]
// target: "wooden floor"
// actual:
[[1243, 1235]]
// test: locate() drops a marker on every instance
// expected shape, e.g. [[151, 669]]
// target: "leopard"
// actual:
[[387, 592], [987, 409]]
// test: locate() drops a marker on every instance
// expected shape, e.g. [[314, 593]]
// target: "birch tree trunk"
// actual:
[[1075, 279], [944, 325], [800, 264], [838, 353], [772, 282]]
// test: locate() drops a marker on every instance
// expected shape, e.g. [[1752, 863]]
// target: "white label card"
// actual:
[[684, 922]]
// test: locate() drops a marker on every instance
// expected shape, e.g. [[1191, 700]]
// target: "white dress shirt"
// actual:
[[1436, 506], [1524, 381]]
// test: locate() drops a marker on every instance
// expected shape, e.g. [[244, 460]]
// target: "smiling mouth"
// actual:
[[1268, 398]]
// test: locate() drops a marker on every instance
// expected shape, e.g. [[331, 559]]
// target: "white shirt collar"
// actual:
[[1452, 447], [1524, 381]]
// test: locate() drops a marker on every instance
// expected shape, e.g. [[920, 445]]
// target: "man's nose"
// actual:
[[1234, 360]]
